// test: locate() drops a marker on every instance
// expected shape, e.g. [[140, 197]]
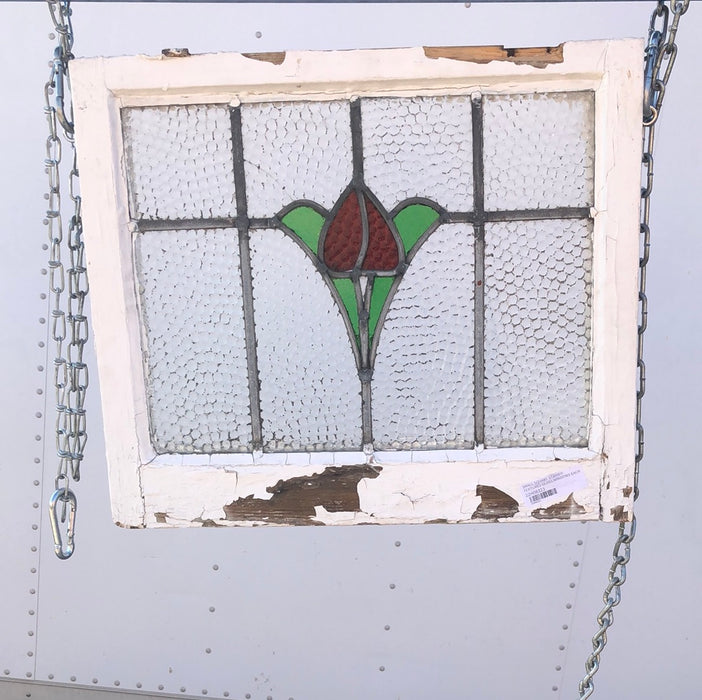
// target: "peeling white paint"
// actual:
[[190, 489]]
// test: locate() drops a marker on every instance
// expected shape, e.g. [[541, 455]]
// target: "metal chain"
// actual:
[[660, 56], [69, 324]]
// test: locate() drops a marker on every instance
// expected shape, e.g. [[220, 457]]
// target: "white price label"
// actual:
[[560, 483]]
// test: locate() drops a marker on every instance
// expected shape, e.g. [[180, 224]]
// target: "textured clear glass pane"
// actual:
[[423, 378], [539, 150], [295, 150], [192, 313], [419, 147], [537, 332], [179, 161], [310, 391]]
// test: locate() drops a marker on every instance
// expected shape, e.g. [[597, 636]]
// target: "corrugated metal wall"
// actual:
[[489, 611]]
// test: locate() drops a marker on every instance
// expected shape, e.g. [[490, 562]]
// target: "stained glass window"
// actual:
[[367, 286], [400, 273]]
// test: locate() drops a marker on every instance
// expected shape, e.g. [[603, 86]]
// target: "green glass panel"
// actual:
[[413, 222], [348, 297], [307, 224], [379, 294]]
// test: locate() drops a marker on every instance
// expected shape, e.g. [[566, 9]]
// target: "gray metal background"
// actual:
[[480, 612]]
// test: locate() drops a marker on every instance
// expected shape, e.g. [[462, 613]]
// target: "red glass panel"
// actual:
[[382, 251], [342, 243]]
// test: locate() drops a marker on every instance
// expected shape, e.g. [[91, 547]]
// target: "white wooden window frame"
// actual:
[[150, 490]]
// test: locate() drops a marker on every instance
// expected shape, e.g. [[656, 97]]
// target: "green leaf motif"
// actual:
[[306, 224], [379, 295], [347, 293], [413, 222]]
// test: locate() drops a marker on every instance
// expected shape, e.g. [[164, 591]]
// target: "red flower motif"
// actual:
[[359, 237]]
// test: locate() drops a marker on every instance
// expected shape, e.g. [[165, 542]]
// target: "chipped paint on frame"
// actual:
[[199, 490]]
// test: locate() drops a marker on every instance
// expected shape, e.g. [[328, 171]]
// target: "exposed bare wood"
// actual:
[[537, 57], [274, 57], [563, 510], [294, 500], [494, 504]]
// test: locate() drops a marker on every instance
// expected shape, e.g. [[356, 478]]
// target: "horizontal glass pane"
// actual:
[[419, 147], [295, 150], [179, 161], [539, 150]]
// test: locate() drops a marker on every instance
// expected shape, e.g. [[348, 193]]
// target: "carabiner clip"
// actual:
[[655, 38], [60, 72], [651, 57], [66, 496]]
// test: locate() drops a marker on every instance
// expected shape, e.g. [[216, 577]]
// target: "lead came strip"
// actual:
[[245, 256]]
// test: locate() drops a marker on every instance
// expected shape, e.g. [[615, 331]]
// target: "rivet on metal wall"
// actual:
[[95, 680], [7, 671], [565, 627], [558, 668], [160, 687], [30, 633], [215, 567], [138, 684], [569, 606], [579, 542], [182, 688], [33, 549], [571, 585], [387, 627], [561, 647], [392, 586], [51, 676], [381, 668], [554, 687], [226, 693], [576, 563], [28, 674], [208, 651], [36, 482], [212, 608], [116, 682], [398, 543], [73, 679]]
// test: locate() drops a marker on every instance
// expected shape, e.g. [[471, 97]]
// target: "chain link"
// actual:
[[661, 53], [68, 287]]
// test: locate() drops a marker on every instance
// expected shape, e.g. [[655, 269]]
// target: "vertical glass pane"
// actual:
[[192, 314], [310, 391], [423, 378], [537, 332], [179, 161], [539, 150], [419, 147], [295, 150]]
